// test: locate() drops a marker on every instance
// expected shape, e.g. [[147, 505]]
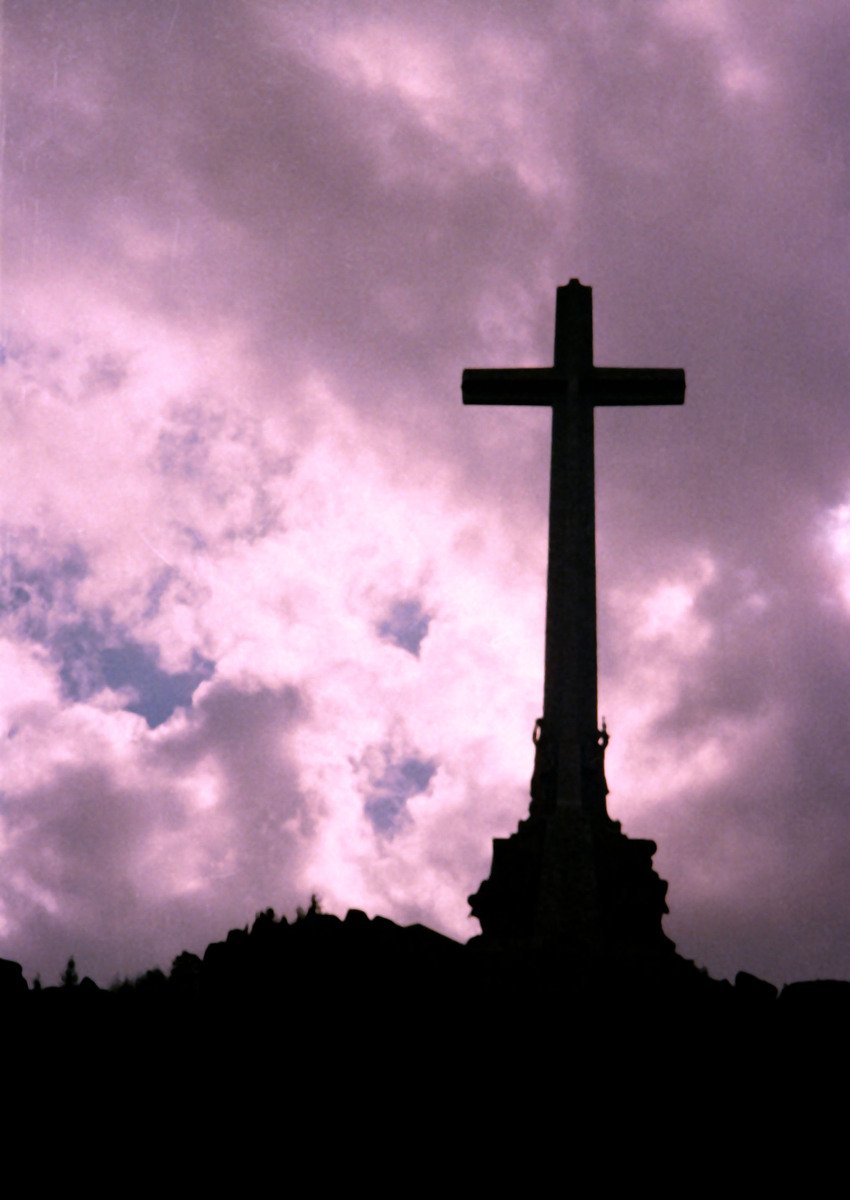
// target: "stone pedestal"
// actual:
[[569, 880]]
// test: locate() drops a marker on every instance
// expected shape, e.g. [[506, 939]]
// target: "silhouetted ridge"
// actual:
[[390, 981]]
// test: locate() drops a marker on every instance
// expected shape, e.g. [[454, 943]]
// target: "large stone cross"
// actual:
[[572, 388]]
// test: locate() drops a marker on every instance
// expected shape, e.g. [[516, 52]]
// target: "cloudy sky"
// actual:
[[271, 599]]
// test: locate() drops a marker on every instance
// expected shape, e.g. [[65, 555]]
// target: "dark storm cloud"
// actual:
[[274, 172], [248, 733], [84, 881], [70, 891], [775, 834]]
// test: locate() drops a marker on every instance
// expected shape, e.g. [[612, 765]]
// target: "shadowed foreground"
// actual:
[[343, 1043]]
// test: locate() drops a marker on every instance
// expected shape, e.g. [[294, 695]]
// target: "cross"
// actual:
[[570, 744]]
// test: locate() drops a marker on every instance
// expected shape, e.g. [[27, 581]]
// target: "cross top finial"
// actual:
[[574, 327]]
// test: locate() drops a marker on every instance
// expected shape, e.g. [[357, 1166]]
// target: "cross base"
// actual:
[[570, 879]]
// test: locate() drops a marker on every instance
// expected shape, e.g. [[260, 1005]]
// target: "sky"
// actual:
[[272, 600]]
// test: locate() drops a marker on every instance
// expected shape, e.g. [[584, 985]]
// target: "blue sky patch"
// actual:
[[34, 585], [77, 647], [406, 625], [386, 801], [87, 665], [158, 693], [157, 590], [38, 601]]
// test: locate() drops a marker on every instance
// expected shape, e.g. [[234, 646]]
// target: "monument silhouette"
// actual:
[[571, 914], [569, 878]]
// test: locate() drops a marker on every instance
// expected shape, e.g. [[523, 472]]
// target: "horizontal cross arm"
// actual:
[[633, 386], [600, 386], [513, 385]]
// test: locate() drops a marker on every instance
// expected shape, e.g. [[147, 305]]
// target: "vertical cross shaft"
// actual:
[[569, 696]]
